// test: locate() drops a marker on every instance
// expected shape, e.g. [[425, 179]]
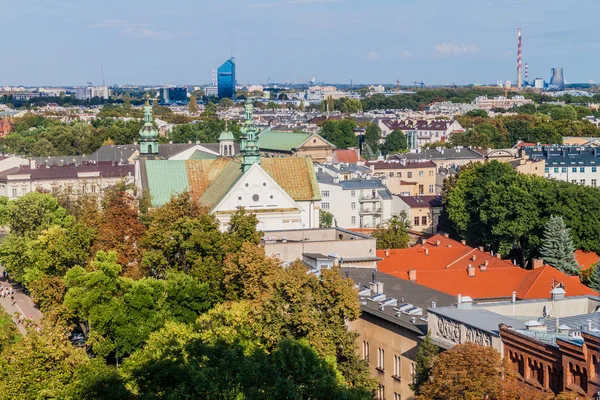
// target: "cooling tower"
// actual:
[[557, 78]]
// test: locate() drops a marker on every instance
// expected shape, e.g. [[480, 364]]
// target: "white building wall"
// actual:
[[583, 175]]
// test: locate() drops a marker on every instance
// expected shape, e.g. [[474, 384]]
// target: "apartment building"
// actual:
[[406, 178], [423, 212], [421, 132], [573, 164]]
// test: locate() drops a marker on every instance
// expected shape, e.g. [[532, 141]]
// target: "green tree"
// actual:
[[424, 362], [340, 133], [226, 103], [33, 212], [594, 280], [395, 142], [557, 246], [394, 233], [193, 105], [564, 113], [352, 106], [325, 219], [372, 137], [127, 102]]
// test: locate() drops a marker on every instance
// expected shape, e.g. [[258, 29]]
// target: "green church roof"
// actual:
[[282, 141], [226, 135], [166, 178]]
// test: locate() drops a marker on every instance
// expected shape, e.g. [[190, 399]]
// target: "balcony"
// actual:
[[370, 211], [369, 199]]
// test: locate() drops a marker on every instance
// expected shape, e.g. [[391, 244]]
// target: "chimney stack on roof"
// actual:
[[412, 275], [538, 263], [471, 271], [463, 242], [459, 298], [483, 267], [514, 297], [589, 325], [481, 248], [387, 252], [446, 235], [473, 257], [426, 251], [498, 255], [437, 242]]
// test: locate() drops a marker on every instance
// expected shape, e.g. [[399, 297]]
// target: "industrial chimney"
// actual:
[[519, 62]]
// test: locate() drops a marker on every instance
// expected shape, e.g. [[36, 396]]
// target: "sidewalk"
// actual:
[[23, 303]]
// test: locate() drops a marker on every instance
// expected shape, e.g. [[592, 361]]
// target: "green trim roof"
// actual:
[[282, 141], [202, 155], [166, 178]]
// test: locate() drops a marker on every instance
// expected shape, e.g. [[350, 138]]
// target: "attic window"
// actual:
[[264, 183], [255, 197], [314, 140], [247, 185]]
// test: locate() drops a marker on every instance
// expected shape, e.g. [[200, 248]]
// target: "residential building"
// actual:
[[76, 179], [485, 103], [356, 203], [282, 192], [295, 144], [341, 172], [420, 132], [211, 91], [226, 80], [318, 247], [452, 267], [579, 165], [28, 96], [443, 158], [423, 212], [391, 327], [406, 178], [173, 95], [88, 93]]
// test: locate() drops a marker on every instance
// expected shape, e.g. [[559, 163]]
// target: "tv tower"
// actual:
[[520, 63]]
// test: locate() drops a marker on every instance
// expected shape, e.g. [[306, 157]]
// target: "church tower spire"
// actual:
[[249, 143], [148, 133]]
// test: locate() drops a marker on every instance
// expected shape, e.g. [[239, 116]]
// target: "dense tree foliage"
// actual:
[[393, 234], [205, 315], [340, 133], [424, 360], [395, 142], [492, 205]]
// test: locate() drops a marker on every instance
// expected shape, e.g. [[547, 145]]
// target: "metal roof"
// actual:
[[478, 318]]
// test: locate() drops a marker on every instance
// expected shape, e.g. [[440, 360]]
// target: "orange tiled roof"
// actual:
[[442, 264], [345, 156], [586, 259]]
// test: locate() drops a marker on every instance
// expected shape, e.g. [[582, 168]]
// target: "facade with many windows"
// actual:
[[226, 79], [407, 178], [579, 165]]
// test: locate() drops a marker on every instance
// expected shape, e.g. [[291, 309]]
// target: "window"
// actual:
[[325, 206], [593, 183], [593, 169], [573, 180], [353, 193], [413, 369], [391, 174], [93, 188], [380, 359], [409, 174], [381, 393], [374, 221], [397, 396], [83, 189], [421, 173], [353, 206], [397, 372], [54, 189], [546, 170], [325, 193], [582, 181], [14, 193], [431, 173], [23, 191], [556, 170], [563, 169], [366, 350], [421, 188], [399, 174], [424, 220], [574, 169], [581, 169], [353, 220], [416, 221], [430, 188]]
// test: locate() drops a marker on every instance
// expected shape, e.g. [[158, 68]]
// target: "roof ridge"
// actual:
[[524, 286], [460, 258]]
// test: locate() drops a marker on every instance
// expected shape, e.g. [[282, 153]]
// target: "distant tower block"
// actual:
[[519, 62], [557, 79]]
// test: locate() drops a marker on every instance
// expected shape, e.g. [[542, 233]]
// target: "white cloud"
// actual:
[[405, 54], [291, 2], [453, 49], [373, 56], [135, 31]]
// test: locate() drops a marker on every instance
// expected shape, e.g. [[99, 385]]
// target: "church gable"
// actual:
[[256, 191], [316, 141]]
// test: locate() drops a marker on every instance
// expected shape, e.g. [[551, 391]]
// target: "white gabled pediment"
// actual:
[[256, 190], [186, 154]]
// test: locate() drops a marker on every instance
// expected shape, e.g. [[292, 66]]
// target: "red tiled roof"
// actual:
[[586, 259], [345, 156], [442, 264]]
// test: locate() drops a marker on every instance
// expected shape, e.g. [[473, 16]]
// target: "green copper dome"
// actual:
[[226, 135], [148, 131]]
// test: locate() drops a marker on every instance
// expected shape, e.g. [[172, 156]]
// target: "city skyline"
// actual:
[[334, 40]]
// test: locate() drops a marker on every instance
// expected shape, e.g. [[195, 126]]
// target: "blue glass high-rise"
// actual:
[[226, 79]]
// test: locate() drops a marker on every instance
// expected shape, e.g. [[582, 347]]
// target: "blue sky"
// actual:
[[64, 42]]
